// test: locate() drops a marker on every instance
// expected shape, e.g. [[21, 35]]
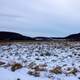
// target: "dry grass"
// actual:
[[36, 70], [73, 71], [34, 73], [56, 70], [16, 66], [39, 68]]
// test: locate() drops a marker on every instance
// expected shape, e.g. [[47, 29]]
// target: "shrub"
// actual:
[[34, 73], [56, 70], [31, 65], [16, 66], [73, 71], [39, 68]]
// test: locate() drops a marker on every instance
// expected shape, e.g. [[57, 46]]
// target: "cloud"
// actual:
[[40, 17]]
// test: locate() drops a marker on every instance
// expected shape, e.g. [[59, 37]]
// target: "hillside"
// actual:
[[13, 36], [74, 37]]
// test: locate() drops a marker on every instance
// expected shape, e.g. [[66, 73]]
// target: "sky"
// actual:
[[40, 17]]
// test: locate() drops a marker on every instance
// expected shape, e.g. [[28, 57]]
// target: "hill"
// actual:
[[75, 37], [13, 36]]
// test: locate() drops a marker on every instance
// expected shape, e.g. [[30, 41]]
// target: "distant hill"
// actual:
[[47, 38], [13, 36], [42, 38], [75, 37]]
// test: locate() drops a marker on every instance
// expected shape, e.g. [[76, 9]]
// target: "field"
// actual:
[[40, 60]]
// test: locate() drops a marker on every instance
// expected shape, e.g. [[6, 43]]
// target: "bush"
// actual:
[[73, 71], [56, 70], [31, 65], [39, 68], [34, 73], [16, 66]]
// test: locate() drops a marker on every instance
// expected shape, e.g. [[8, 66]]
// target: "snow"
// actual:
[[65, 55], [21, 74]]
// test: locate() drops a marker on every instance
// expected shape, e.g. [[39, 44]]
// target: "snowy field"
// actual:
[[40, 61]]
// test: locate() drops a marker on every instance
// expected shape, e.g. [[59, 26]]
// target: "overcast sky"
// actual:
[[40, 17]]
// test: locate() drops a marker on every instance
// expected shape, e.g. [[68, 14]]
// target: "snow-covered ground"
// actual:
[[40, 61]]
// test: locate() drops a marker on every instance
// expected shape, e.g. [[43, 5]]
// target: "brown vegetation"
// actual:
[[56, 70], [16, 66]]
